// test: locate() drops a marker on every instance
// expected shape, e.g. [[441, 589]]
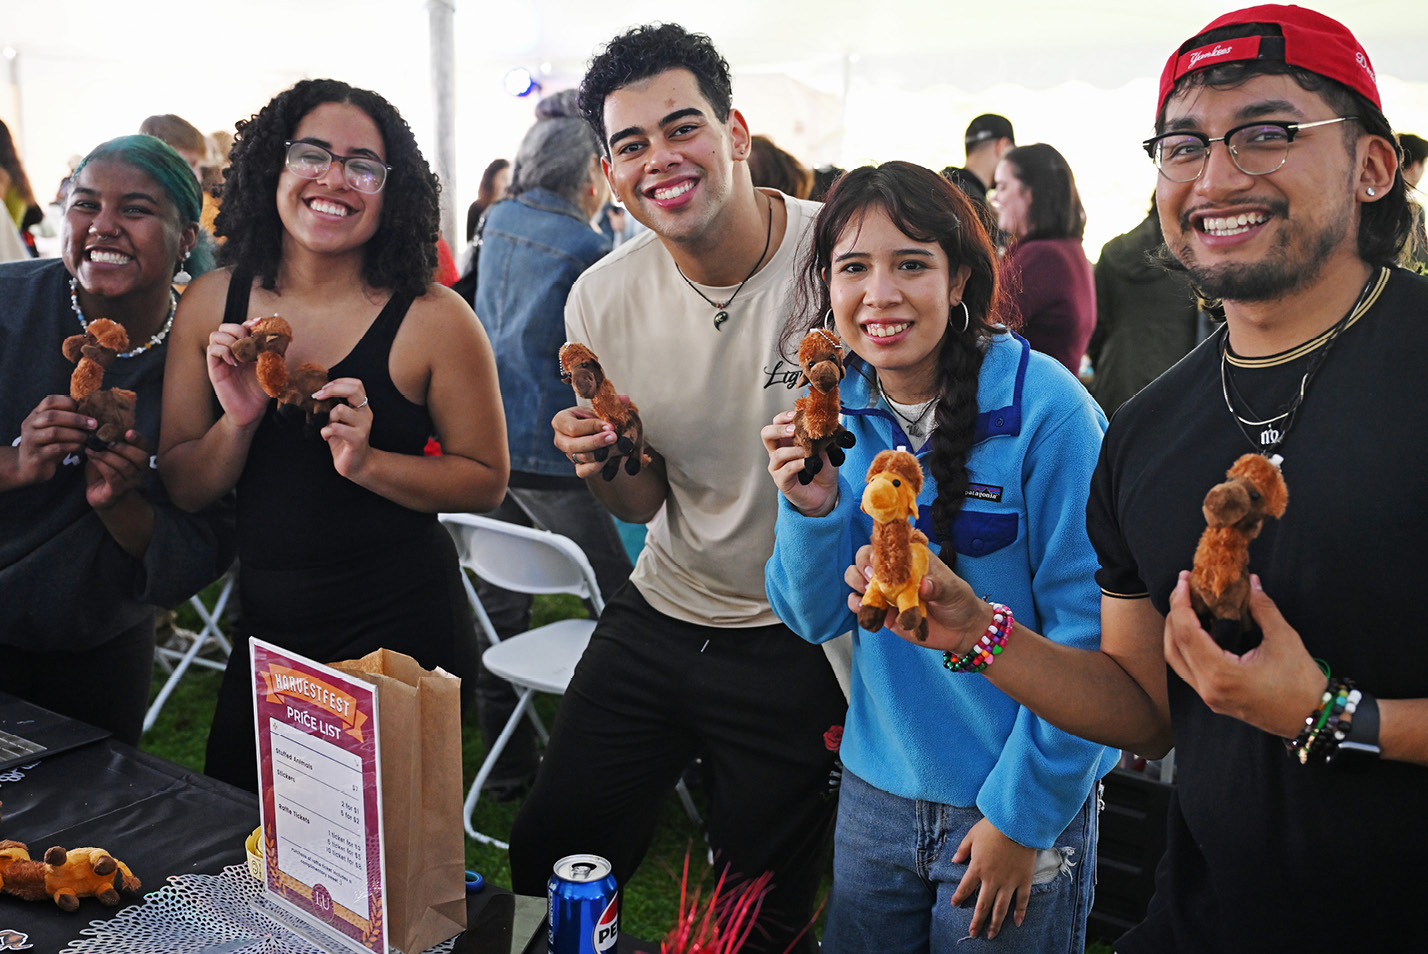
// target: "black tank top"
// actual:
[[294, 509]]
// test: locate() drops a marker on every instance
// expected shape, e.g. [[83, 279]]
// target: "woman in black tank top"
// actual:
[[329, 216]]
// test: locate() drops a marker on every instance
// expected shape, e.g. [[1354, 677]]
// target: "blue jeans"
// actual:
[[893, 880]]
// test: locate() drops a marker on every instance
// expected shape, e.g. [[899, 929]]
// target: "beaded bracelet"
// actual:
[[987, 648], [1327, 725]]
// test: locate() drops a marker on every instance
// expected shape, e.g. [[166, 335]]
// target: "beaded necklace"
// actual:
[[155, 340]]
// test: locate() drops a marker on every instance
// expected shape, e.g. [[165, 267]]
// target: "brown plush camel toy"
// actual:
[[581, 370], [65, 876], [900, 554], [815, 418], [93, 352], [1235, 512], [267, 342]]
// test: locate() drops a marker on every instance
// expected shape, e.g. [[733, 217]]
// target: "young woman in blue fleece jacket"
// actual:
[[952, 792]]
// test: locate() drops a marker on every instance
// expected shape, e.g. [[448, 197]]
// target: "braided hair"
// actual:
[[927, 208]]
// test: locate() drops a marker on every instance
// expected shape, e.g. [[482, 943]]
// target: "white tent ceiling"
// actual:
[[834, 80]]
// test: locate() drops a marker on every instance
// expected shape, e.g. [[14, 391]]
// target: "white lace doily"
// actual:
[[199, 913]]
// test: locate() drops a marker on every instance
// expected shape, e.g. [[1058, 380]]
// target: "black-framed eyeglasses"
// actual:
[[1257, 149], [308, 160]]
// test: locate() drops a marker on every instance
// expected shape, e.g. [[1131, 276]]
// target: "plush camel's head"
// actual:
[[894, 481], [1255, 490], [821, 358], [269, 335], [581, 369]]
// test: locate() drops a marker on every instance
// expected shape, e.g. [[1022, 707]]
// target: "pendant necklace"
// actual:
[[919, 413], [1271, 436], [155, 340], [721, 312]]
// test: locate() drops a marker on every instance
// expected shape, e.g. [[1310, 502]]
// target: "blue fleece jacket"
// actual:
[[913, 728]]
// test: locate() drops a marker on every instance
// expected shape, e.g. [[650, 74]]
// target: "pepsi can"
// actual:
[[584, 913]]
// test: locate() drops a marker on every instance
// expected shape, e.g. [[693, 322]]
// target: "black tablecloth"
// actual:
[[158, 818]]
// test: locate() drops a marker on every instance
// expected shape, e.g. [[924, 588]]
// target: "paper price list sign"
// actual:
[[318, 766]]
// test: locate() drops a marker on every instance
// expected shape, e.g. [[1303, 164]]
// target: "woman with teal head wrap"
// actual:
[[92, 543]]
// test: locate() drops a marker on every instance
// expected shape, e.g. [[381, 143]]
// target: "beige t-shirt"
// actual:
[[703, 395]]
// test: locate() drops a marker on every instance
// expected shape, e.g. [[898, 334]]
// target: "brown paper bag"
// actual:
[[419, 725]]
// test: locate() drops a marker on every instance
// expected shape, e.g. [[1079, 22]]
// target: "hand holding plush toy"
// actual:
[[815, 419], [267, 342], [93, 352], [1235, 512], [900, 554], [581, 370]]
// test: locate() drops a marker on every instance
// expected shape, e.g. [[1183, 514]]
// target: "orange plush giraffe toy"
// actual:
[[1235, 512], [900, 554]]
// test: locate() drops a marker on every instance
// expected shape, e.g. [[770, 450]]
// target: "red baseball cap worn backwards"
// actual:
[[1293, 35]]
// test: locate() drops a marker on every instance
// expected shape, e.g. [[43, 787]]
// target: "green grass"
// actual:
[[651, 898]]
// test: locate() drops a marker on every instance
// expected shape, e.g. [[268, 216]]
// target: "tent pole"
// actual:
[[440, 18]]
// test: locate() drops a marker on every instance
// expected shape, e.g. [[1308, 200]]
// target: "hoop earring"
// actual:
[[828, 323], [966, 317]]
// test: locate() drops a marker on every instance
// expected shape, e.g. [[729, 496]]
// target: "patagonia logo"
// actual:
[[985, 492]]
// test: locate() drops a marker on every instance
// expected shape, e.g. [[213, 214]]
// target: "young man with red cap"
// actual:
[[1297, 821]]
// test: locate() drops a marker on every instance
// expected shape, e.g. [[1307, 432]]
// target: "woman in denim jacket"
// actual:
[[534, 245]]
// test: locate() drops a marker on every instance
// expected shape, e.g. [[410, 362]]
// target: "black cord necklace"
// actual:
[[1271, 437], [721, 313]]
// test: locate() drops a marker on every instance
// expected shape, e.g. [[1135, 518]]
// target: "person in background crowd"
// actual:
[[823, 179], [773, 168], [988, 138], [1302, 763], [1147, 315], [330, 214], [1050, 281], [535, 244], [19, 197], [495, 180], [689, 659], [999, 841], [92, 543], [1415, 153]]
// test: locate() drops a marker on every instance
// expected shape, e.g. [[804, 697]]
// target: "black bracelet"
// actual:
[[1360, 746]]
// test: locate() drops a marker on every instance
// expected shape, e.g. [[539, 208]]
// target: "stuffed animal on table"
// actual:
[[64, 876], [900, 554], [94, 351], [267, 343], [581, 370], [815, 417], [1235, 512]]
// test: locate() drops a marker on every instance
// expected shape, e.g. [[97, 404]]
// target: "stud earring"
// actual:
[[182, 277], [1371, 192]]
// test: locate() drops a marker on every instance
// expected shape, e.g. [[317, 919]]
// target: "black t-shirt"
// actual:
[[1266, 854]]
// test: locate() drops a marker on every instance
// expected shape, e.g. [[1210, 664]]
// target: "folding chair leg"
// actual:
[[211, 630], [687, 801], [468, 810]]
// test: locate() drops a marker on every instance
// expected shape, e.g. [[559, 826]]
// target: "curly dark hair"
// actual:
[[401, 256], [644, 51], [927, 208], [1385, 225]]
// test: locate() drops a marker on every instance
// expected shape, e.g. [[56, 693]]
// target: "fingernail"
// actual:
[[867, 573], [1255, 583], [91, 423], [788, 431]]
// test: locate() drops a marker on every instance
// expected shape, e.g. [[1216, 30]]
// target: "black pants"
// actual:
[[650, 693], [106, 685]]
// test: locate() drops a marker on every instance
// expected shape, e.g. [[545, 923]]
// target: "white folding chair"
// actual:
[[539, 660], [181, 659]]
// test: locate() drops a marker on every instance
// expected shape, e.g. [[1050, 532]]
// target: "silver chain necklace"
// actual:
[[1271, 437], [157, 339]]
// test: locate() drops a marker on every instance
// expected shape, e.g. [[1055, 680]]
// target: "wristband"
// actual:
[[988, 647], [1328, 725], [1360, 746]]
